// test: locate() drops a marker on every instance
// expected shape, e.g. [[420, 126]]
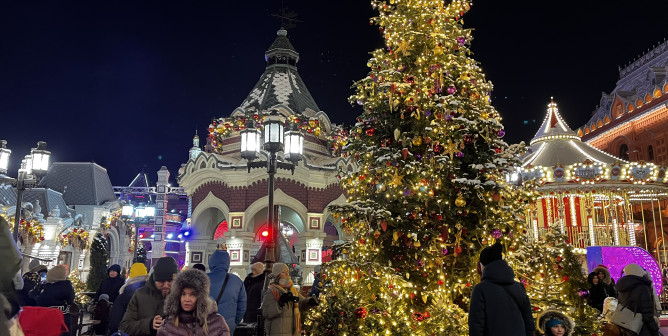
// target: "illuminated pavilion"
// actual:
[[595, 198]]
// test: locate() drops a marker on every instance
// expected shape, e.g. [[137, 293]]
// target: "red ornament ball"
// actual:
[[361, 312]]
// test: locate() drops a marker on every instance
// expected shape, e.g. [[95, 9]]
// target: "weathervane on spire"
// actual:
[[288, 17]]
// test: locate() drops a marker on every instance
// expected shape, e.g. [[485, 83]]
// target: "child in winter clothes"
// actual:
[[281, 304], [189, 309], [555, 323]]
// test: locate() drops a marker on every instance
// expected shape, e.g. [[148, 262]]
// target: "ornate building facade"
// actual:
[[631, 121], [228, 201]]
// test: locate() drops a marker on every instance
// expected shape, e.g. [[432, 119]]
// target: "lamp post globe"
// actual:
[[273, 132], [250, 141]]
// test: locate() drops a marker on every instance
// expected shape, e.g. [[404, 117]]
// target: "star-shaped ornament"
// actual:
[[450, 149], [404, 47], [396, 178]]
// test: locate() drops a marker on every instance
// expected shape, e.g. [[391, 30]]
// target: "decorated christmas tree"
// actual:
[[79, 288], [429, 193], [98, 262], [552, 275]]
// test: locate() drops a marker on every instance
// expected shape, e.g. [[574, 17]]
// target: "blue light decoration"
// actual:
[[615, 258]]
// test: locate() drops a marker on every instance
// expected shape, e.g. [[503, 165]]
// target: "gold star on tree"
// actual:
[[450, 149], [396, 178], [404, 47]]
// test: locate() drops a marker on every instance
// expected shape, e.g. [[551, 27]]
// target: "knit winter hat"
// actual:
[[634, 269], [257, 267], [165, 269], [279, 268], [491, 253], [114, 267], [57, 273], [200, 267], [104, 297], [137, 269], [553, 322]]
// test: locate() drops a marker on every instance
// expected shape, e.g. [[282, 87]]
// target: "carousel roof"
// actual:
[[557, 144]]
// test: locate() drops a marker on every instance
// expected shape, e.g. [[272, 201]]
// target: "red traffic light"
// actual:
[[265, 233]]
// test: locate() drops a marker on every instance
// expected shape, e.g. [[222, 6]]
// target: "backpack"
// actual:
[[42, 321]]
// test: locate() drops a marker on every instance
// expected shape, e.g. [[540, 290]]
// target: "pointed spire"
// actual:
[[553, 125], [282, 51]]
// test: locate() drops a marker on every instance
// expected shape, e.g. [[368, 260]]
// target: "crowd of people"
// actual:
[[190, 302]]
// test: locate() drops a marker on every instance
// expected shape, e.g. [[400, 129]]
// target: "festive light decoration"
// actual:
[[222, 128], [430, 190], [79, 289], [106, 222], [76, 237], [551, 273], [30, 231]]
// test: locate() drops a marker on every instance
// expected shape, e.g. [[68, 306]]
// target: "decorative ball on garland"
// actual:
[[496, 233], [583, 293], [451, 89], [361, 312]]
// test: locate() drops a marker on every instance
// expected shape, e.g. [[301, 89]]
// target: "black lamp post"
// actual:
[[34, 164], [275, 140]]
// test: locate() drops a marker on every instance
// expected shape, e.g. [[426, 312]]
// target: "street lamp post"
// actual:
[[275, 140], [36, 163]]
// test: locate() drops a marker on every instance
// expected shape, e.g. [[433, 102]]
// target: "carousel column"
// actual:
[[158, 246], [613, 218]]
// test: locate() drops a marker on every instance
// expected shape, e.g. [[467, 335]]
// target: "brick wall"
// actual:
[[239, 198]]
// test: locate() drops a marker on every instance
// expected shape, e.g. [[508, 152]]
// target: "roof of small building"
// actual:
[[81, 183], [280, 84], [7, 194], [556, 144], [48, 200]]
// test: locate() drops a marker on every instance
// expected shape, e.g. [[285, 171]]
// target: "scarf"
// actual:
[[280, 290]]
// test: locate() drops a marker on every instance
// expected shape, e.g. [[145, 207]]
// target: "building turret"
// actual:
[[195, 150]]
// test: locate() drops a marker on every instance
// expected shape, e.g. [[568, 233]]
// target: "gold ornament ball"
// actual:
[[417, 140], [460, 201]]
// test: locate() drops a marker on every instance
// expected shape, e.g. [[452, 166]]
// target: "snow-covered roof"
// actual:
[[555, 143], [280, 84], [81, 183]]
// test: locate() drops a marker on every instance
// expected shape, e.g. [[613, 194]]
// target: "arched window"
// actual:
[[650, 152], [624, 152]]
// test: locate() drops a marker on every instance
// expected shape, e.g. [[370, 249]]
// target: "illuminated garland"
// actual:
[[79, 289], [222, 128], [30, 232], [77, 238], [106, 222]]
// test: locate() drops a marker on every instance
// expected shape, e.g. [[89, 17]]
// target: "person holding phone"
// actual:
[[282, 303]]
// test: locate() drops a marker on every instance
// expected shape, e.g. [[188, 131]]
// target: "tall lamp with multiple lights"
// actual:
[[274, 140], [32, 166]]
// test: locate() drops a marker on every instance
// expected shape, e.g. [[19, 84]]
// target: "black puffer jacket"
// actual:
[[254, 286], [493, 311], [635, 292]]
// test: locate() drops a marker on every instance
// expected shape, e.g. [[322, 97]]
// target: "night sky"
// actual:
[[126, 83]]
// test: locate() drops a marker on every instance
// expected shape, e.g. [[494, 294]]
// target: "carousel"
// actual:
[[596, 199]]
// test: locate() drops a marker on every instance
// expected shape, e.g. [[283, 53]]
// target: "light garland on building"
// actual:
[[76, 237]]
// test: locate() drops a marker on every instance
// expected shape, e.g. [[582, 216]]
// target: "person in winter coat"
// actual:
[[635, 292], [254, 284], [136, 279], [597, 291], [317, 284], [111, 285], [58, 292], [282, 304], [145, 310], [189, 309], [101, 313], [555, 323], [232, 304], [499, 304], [605, 278]]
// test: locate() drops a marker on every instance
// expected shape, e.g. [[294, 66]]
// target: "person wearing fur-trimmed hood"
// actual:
[[281, 304], [189, 310], [605, 278], [554, 323]]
